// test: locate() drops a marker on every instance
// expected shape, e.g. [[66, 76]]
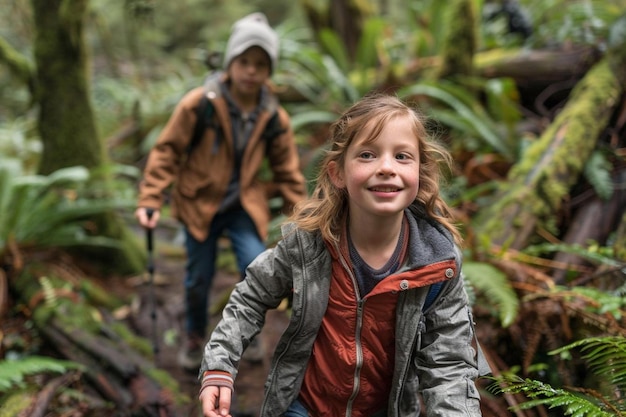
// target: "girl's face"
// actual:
[[248, 72], [380, 176]]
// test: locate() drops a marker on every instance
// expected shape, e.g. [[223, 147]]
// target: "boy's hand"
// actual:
[[216, 401], [147, 221]]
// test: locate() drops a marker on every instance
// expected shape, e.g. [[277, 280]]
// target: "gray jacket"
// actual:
[[434, 354]]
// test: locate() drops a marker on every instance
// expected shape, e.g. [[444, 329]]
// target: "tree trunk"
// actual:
[[66, 121], [536, 185], [344, 17], [459, 43], [66, 124]]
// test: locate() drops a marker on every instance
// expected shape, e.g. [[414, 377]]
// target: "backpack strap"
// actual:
[[204, 119], [433, 292], [272, 130]]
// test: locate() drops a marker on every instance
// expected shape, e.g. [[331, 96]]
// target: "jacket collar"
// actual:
[[216, 81]]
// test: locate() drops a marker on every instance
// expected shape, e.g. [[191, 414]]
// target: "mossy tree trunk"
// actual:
[[66, 121], [537, 185], [67, 124], [459, 43]]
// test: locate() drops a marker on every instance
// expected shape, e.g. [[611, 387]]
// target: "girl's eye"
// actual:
[[401, 156], [366, 155]]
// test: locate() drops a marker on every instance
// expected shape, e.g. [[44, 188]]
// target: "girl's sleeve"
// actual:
[[266, 284], [447, 359]]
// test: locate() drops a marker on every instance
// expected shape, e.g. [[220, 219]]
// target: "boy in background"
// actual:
[[215, 186]]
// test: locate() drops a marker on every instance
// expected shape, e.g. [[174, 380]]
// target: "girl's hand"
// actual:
[[216, 401]]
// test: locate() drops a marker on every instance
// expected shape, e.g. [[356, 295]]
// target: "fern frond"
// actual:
[[606, 357], [50, 211], [48, 291], [13, 372], [494, 284], [598, 172], [542, 394]]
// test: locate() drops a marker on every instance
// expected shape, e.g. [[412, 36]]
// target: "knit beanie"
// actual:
[[252, 30]]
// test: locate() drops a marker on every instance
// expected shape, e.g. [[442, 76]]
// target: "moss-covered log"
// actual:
[[121, 370], [538, 183]]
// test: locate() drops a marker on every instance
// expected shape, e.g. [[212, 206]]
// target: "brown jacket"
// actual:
[[200, 178]]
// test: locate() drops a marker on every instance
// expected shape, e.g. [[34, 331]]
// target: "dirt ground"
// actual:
[[167, 296]]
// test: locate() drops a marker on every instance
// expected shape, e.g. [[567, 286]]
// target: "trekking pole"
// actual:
[[153, 313]]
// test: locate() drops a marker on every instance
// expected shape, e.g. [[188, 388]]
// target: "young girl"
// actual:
[[361, 261]]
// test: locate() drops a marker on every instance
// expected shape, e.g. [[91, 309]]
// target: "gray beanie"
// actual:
[[252, 30]]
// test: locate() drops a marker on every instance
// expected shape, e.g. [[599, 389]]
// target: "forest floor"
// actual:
[[165, 297]]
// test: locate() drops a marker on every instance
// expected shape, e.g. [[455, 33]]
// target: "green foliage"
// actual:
[[606, 357], [456, 107], [581, 22], [596, 301], [593, 253], [20, 144], [598, 173], [14, 372], [494, 284], [53, 210]]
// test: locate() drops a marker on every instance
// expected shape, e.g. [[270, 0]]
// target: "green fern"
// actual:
[[598, 173], [14, 372], [50, 211], [48, 291], [606, 357], [465, 114], [495, 285], [602, 302]]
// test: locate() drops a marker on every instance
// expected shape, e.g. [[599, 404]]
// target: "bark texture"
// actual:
[[66, 121]]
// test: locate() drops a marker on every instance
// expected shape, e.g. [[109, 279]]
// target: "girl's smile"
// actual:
[[381, 175]]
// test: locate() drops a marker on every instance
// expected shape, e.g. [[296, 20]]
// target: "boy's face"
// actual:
[[248, 72]]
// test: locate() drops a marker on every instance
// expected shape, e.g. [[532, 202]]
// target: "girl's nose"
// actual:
[[386, 166]]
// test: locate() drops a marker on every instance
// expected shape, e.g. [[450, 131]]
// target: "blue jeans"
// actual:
[[296, 409], [201, 256]]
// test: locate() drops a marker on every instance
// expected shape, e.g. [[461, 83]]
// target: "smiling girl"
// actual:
[[379, 316]]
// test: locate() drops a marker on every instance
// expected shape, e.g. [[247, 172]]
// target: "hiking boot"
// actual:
[[190, 356], [255, 353]]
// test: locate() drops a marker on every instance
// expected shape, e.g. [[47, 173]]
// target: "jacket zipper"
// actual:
[[357, 339]]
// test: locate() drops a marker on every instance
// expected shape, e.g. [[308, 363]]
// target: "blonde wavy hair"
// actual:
[[328, 205]]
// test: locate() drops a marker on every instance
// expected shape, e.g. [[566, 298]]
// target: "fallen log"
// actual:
[[542, 67], [78, 331], [594, 221], [535, 186], [40, 403]]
